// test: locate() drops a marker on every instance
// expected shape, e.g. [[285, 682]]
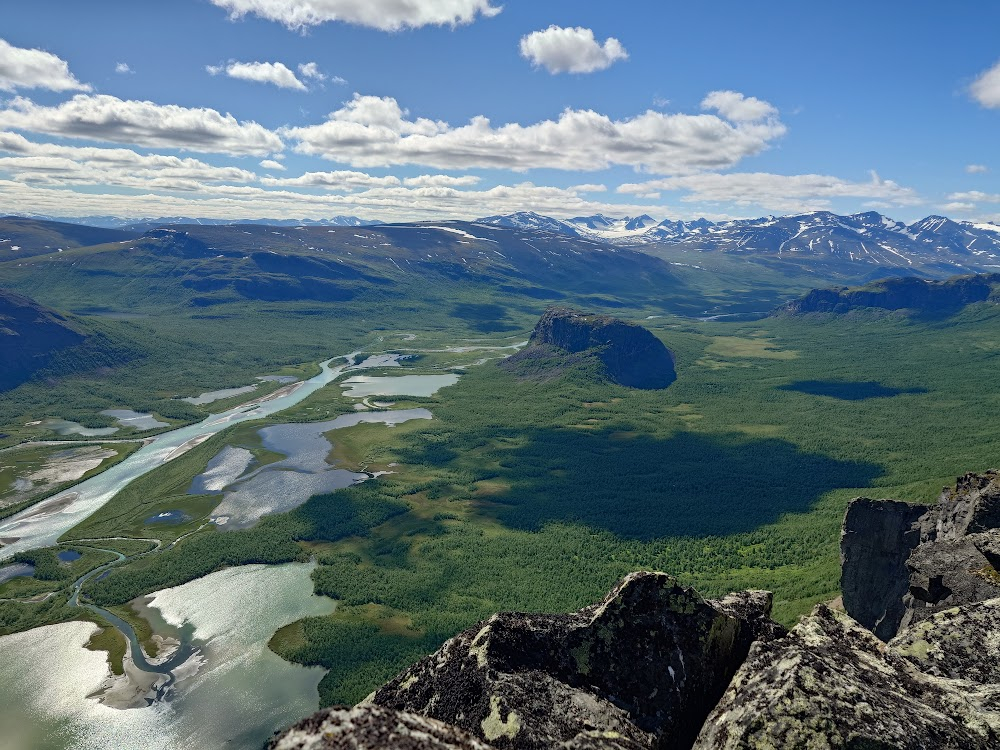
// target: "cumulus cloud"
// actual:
[[734, 106], [22, 68], [386, 15], [339, 180], [976, 169], [275, 73], [372, 131], [975, 196], [986, 88], [775, 192], [123, 68], [141, 123], [570, 50], [57, 164], [441, 180], [272, 164], [233, 202], [311, 70]]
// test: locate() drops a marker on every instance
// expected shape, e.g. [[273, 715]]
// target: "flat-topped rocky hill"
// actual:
[[613, 349]]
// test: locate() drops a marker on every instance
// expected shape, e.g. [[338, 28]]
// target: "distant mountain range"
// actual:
[[935, 244]]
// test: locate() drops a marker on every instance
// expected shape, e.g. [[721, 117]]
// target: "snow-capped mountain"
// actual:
[[935, 244], [529, 220]]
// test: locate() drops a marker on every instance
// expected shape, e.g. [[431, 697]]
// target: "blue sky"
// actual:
[[721, 109]]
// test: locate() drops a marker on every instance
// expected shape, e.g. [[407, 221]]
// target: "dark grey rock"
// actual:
[[832, 684], [901, 563], [647, 664]]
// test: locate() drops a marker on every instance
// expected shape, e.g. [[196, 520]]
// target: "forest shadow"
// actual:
[[847, 390], [641, 487]]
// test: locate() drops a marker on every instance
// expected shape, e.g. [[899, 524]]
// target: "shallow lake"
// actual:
[[286, 484], [240, 695], [360, 386]]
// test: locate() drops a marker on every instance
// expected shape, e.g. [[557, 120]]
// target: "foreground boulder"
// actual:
[[903, 562], [832, 684], [619, 351], [640, 670]]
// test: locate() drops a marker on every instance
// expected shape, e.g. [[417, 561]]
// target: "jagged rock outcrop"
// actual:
[[904, 293], [647, 664], [373, 728], [832, 684], [656, 666], [625, 353], [903, 562]]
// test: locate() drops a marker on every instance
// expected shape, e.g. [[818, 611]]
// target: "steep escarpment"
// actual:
[[622, 352], [656, 666], [904, 562], [29, 335], [905, 293]]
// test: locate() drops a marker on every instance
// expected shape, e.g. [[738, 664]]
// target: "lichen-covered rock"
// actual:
[[901, 562], [961, 643], [373, 728], [645, 665], [832, 684]]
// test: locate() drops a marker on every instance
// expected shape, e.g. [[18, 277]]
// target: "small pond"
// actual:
[[210, 396], [17, 570], [69, 555], [135, 420], [65, 427], [168, 518]]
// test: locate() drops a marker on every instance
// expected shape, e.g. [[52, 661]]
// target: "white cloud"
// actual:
[[371, 131], [233, 202], [441, 180], [34, 69], [976, 169], [387, 15], [956, 206], [775, 192], [734, 106], [588, 188], [986, 88], [272, 164], [275, 73], [570, 50], [56, 164], [339, 180], [311, 70], [141, 123], [123, 68], [975, 196]]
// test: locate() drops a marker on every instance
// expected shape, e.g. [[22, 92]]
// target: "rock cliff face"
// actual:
[[903, 562], [906, 293], [29, 335], [656, 666], [626, 353]]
